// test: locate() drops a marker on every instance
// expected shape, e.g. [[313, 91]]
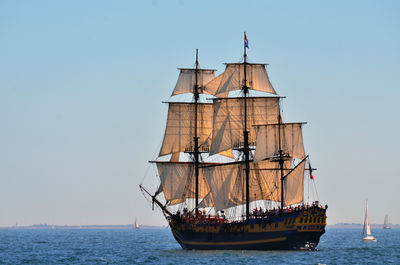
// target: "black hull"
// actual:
[[276, 241], [292, 232]]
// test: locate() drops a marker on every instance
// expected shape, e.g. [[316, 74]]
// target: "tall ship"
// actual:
[[232, 173]]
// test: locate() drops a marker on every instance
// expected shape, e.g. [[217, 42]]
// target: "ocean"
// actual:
[[157, 246]]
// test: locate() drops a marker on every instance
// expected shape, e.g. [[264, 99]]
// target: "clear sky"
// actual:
[[81, 85]]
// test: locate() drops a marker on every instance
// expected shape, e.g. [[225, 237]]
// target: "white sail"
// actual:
[[386, 223], [367, 228], [178, 181], [293, 190], [265, 183], [228, 120], [291, 140], [226, 184], [187, 80], [179, 131], [233, 79], [294, 185], [367, 225]]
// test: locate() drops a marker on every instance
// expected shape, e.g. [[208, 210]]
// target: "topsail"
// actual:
[[233, 79], [187, 80]]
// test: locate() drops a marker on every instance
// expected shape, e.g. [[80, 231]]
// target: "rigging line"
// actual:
[[312, 191], [315, 188], [308, 188], [145, 173], [295, 167], [159, 145]]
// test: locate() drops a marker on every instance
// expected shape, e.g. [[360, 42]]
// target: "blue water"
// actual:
[[157, 246]]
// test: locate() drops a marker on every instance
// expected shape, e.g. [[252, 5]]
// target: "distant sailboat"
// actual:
[[386, 223], [136, 224], [366, 236]]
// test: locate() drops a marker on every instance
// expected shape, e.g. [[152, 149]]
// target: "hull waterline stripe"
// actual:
[[234, 243]]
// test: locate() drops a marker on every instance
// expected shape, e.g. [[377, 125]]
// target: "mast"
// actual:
[[245, 132], [281, 160], [196, 138]]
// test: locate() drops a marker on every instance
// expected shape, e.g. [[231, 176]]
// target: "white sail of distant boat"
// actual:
[[386, 223], [367, 236], [136, 224]]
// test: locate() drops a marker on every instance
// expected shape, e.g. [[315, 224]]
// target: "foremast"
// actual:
[[188, 129]]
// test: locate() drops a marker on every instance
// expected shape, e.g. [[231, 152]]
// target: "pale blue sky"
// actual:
[[81, 85]]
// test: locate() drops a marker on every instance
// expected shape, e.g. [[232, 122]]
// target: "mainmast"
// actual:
[[245, 90], [196, 138]]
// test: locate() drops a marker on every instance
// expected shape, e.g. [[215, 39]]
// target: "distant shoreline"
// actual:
[[357, 225], [50, 227]]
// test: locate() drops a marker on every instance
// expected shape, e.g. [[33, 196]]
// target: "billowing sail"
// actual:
[[233, 79], [228, 120], [178, 181], [267, 175], [294, 185], [187, 80], [179, 131], [265, 180], [291, 140], [226, 183]]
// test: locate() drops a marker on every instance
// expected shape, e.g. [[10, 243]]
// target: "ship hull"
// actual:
[[291, 232], [254, 241]]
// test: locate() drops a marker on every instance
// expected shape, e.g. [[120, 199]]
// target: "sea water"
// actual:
[[157, 246]]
